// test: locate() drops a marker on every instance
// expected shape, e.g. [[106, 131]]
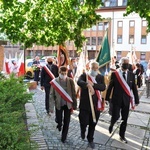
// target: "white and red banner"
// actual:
[[100, 105], [21, 69], [49, 72], [126, 87], [61, 91]]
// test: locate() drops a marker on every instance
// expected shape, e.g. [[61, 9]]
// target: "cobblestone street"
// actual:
[[137, 134]]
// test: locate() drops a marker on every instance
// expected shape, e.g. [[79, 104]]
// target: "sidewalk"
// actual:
[[137, 134]]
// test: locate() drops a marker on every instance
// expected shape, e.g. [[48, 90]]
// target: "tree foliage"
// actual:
[[48, 22], [141, 7]]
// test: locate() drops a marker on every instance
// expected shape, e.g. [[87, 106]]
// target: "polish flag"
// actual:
[[21, 68], [6, 67]]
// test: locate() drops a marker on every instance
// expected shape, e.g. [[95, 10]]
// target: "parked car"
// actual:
[[29, 70]]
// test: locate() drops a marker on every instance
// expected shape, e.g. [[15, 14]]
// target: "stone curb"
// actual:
[[33, 125]]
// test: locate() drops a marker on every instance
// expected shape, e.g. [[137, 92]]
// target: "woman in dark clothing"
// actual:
[[138, 74]]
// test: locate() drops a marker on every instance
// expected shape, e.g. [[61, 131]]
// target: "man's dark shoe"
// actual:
[[83, 136], [110, 129], [63, 139], [59, 128], [123, 139], [91, 145]]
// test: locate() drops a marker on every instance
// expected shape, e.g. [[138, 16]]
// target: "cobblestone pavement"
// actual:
[[138, 129]]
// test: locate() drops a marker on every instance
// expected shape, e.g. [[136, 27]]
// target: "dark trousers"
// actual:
[[47, 92], [65, 118], [36, 75], [85, 118], [124, 117]]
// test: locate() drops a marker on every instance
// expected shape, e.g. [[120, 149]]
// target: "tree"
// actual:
[[141, 7], [48, 22]]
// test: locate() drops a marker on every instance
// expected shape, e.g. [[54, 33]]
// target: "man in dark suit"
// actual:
[[122, 83], [45, 80], [85, 113], [36, 68]]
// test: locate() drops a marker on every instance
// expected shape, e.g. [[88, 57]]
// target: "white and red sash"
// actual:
[[126, 87], [98, 94], [61, 91], [49, 72]]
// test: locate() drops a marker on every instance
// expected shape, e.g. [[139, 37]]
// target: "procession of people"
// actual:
[[61, 95]]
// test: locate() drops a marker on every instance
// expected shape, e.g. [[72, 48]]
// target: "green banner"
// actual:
[[104, 54]]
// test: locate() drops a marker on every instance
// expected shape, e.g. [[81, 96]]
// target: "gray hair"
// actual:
[[123, 59], [93, 63]]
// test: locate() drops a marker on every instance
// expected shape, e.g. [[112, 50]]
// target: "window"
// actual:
[[113, 2], [119, 39], [93, 40], [100, 26], [143, 56], [131, 23], [99, 40], [144, 23], [88, 41], [143, 39], [94, 27], [118, 55], [119, 24], [124, 2], [105, 25], [131, 39]]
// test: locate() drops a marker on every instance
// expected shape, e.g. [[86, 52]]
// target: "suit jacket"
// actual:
[[55, 98], [119, 95], [45, 78], [84, 96]]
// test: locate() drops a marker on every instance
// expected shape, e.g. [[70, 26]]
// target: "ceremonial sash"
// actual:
[[126, 87], [61, 91], [100, 104], [49, 72]]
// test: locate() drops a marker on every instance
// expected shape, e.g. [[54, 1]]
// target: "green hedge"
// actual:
[[13, 130]]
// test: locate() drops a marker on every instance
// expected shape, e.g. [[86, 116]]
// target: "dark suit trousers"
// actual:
[[66, 120], [47, 92], [36, 75], [85, 118], [124, 117]]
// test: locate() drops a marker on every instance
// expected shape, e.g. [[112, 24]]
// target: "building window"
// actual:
[[100, 26], [105, 25], [124, 2], [99, 40], [119, 39], [113, 2], [88, 41], [131, 23], [143, 56], [119, 24], [143, 39], [93, 40], [131, 39], [144, 23], [94, 27], [118, 55]]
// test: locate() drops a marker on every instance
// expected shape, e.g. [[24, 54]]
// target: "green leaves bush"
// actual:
[[13, 131]]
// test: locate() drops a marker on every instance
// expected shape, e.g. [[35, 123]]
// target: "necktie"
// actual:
[[124, 76]]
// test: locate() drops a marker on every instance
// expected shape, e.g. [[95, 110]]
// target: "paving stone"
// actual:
[[139, 119]]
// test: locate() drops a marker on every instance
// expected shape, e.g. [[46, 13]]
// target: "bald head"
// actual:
[[49, 60]]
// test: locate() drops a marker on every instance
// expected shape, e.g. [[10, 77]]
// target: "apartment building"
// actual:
[[126, 34]]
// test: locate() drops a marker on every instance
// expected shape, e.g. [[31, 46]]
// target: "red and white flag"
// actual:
[[6, 67], [21, 67]]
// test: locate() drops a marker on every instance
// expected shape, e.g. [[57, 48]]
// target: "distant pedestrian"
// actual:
[[93, 82], [46, 78], [14, 68], [36, 68], [63, 97], [122, 84]]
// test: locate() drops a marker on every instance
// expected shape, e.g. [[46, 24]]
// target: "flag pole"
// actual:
[[90, 96]]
